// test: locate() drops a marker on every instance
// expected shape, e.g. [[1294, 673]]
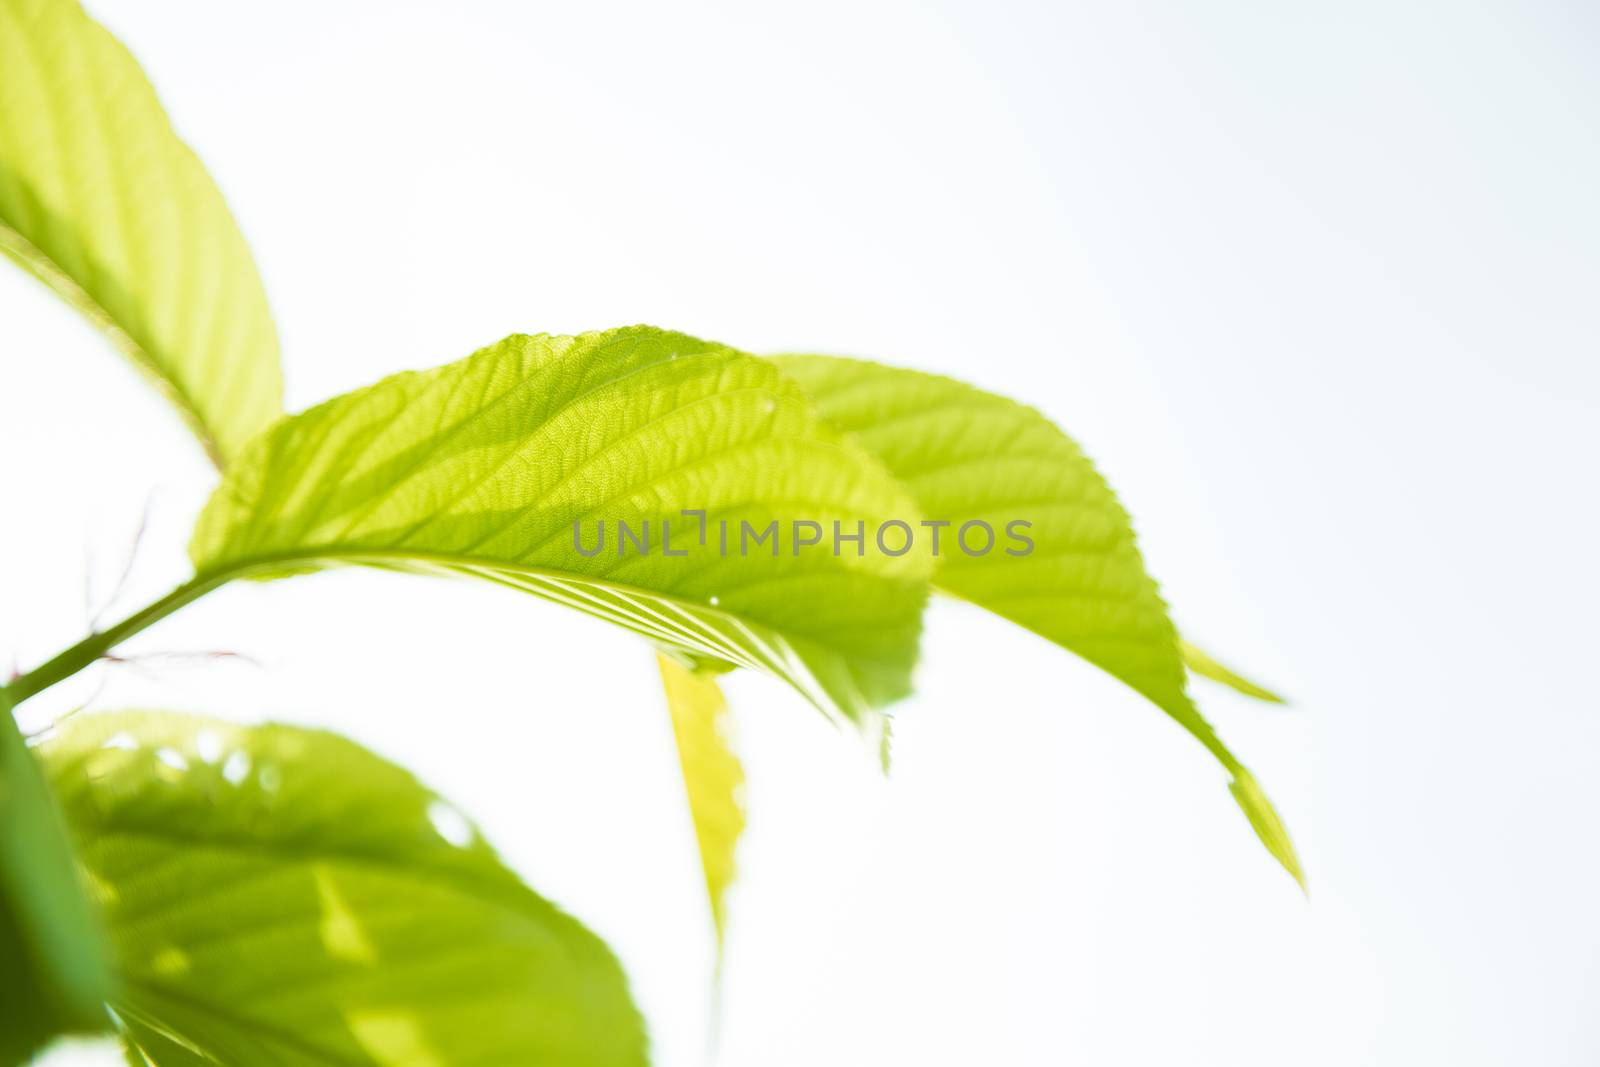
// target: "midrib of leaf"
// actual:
[[261, 1030], [140, 1034], [32, 259], [764, 653]]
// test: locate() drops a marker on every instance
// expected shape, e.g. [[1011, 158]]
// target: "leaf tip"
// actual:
[[1247, 792], [1201, 662]]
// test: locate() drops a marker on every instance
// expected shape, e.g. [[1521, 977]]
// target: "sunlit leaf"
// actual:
[[1201, 662], [53, 971], [282, 896], [712, 777], [102, 202], [1074, 575], [483, 468]]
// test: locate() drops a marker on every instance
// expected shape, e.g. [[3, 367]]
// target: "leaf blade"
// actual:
[[713, 779], [102, 202], [281, 894], [1201, 662], [490, 468], [968, 455]]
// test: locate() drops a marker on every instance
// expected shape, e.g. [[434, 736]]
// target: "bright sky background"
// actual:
[[1316, 284]]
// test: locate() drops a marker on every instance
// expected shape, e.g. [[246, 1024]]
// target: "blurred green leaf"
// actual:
[[967, 455], [481, 468], [1200, 662], [712, 777], [53, 971], [103, 203], [283, 896]]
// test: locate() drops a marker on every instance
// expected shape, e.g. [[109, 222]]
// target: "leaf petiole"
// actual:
[[96, 645]]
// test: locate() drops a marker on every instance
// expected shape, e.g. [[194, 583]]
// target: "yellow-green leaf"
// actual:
[[1201, 662], [53, 971], [500, 465], [103, 203], [1074, 575], [712, 778], [281, 896]]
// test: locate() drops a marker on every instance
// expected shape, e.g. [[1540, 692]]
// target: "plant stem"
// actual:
[[98, 644]]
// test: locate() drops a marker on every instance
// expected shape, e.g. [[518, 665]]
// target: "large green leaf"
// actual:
[[282, 896], [970, 456], [484, 466], [712, 778], [102, 202], [53, 971]]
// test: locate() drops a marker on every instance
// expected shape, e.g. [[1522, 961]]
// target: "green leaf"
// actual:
[[102, 202], [483, 467], [967, 456], [1201, 662], [279, 895], [712, 777], [53, 971]]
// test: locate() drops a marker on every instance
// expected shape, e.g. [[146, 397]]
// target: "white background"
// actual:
[[1316, 285]]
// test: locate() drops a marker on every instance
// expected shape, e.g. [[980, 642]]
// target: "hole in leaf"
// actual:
[[450, 823]]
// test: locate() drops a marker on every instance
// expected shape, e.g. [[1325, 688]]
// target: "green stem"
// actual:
[[98, 644]]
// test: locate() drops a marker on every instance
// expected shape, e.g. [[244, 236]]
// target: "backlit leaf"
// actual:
[[712, 777], [282, 896], [483, 467], [53, 970], [102, 202], [1201, 662], [970, 456]]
